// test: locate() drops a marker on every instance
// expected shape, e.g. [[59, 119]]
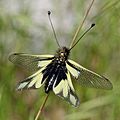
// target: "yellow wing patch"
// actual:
[[70, 81], [73, 71], [62, 87], [43, 63]]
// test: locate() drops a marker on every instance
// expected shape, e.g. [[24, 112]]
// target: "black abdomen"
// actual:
[[53, 74]]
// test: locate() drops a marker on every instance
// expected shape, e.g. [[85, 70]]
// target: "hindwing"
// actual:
[[63, 87], [34, 81]]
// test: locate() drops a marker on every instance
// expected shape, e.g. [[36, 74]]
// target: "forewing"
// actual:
[[30, 62], [89, 78], [65, 89]]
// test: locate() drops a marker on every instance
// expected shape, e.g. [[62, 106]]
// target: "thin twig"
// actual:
[[81, 24], [41, 107]]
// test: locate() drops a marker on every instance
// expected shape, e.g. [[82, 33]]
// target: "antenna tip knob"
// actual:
[[93, 25], [49, 12]]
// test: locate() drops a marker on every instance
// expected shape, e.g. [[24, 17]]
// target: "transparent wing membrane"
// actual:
[[30, 62], [89, 78]]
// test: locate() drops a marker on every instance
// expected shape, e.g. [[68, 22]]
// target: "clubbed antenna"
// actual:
[[92, 25], [49, 13]]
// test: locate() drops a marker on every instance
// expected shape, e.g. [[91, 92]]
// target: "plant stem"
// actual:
[[81, 24], [41, 107]]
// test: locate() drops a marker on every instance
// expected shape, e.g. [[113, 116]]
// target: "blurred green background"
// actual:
[[24, 27]]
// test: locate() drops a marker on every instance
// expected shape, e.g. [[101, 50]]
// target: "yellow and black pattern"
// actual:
[[55, 73], [36, 63], [65, 90]]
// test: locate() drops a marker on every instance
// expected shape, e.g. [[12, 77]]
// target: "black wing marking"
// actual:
[[30, 62], [89, 78]]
